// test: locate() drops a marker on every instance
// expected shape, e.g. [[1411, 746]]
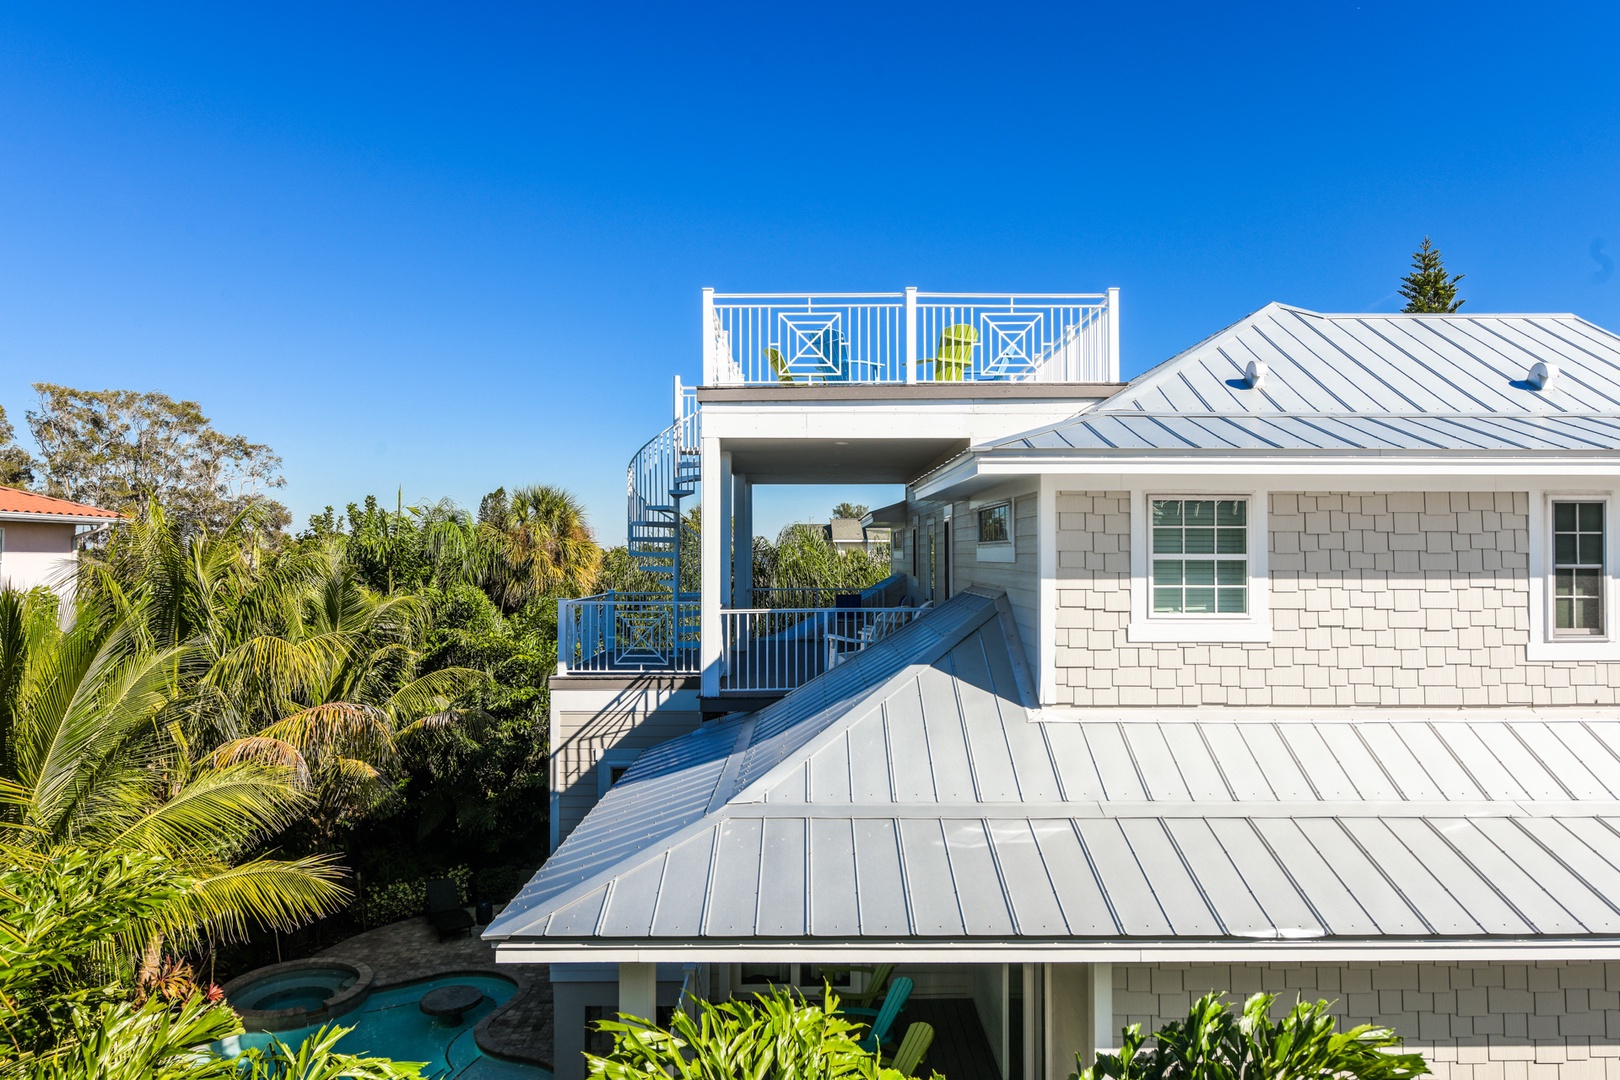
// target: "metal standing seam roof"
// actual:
[[1365, 382], [917, 800]]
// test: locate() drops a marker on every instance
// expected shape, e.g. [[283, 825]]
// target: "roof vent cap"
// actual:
[[1256, 374], [1542, 375]]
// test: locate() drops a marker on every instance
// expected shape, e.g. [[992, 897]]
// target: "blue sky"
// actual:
[[440, 250]]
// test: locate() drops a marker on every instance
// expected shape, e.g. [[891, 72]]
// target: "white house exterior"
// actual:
[[1292, 664], [39, 539]]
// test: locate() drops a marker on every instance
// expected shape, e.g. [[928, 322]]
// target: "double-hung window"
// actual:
[[1200, 557], [1577, 569]]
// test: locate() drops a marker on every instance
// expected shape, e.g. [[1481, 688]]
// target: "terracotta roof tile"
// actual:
[[14, 501]]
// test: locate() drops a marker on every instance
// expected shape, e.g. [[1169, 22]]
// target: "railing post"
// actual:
[[678, 417], [911, 333], [711, 361], [1112, 366]]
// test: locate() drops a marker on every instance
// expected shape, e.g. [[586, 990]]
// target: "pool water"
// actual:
[[307, 989], [390, 1023]]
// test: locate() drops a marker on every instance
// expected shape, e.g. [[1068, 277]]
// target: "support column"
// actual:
[[710, 528], [742, 547], [638, 990], [1104, 1036], [1046, 558], [727, 510]]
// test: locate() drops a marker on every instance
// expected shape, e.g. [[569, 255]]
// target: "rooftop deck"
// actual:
[[909, 337]]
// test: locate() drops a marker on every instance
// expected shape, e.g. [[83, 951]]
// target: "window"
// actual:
[[1577, 569], [1200, 557], [995, 524], [611, 765]]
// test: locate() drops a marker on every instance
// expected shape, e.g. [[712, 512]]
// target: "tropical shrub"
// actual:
[[779, 1036], [1214, 1044]]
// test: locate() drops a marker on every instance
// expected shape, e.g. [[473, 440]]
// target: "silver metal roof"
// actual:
[[1366, 382], [918, 800]]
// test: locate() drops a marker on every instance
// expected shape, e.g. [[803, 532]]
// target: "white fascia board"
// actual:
[[57, 519], [1380, 471], [1225, 951]]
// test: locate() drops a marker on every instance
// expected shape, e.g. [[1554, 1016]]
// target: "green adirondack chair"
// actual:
[[883, 1018], [913, 1046], [955, 353], [779, 368], [874, 986]]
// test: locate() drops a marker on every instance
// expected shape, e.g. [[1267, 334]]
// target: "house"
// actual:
[[852, 534], [1291, 664], [39, 538]]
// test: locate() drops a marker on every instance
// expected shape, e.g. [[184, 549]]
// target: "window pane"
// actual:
[[1586, 583], [1564, 548], [1166, 541], [1167, 571], [1167, 600], [1564, 614], [1232, 512], [1201, 512], [993, 524], [1564, 517], [1591, 549], [1587, 617], [1200, 572], [1166, 512], [1232, 542], [1200, 541], [1232, 572], [1200, 601], [1233, 601], [1564, 583], [1591, 516]]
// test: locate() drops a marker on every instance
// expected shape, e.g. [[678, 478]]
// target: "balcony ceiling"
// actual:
[[842, 461]]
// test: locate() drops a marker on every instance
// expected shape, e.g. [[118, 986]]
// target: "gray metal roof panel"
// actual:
[[1365, 382]]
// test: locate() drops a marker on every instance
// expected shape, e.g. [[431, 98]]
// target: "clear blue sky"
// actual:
[[445, 248]]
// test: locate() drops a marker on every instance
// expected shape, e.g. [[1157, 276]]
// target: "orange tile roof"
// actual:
[[16, 501]]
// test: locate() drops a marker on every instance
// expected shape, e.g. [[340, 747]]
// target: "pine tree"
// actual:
[[1427, 288]]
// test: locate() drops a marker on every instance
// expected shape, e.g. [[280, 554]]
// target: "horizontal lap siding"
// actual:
[[579, 737], [1018, 578], [1471, 1021], [1402, 599]]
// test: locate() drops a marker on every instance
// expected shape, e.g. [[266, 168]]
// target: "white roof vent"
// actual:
[[1542, 375], [1256, 374]]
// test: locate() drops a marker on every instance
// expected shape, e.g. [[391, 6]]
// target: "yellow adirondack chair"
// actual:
[[955, 353], [913, 1047]]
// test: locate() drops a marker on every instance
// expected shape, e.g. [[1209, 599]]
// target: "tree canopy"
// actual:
[[1427, 288], [117, 449]]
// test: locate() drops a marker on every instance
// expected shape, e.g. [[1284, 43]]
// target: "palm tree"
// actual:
[[91, 762], [544, 543]]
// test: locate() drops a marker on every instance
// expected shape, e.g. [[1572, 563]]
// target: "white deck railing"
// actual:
[[784, 648], [766, 339], [617, 632]]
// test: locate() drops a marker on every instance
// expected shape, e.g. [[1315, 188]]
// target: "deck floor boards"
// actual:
[[960, 1050]]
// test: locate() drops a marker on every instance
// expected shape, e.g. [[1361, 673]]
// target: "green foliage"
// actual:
[[1213, 1044], [318, 1059], [16, 466], [850, 510], [403, 899], [117, 449], [780, 1036], [803, 557], [1427, 288]]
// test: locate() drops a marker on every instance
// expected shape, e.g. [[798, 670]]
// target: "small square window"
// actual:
[[1578, 570], [995, 524], [1200, 556]]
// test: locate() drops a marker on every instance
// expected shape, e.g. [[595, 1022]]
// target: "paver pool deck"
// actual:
[[410, 949]]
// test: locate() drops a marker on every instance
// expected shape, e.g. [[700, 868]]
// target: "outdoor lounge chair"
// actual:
[[444, 909], [955, 353], [874, 986], [913, 1046], [883, 1018], [779, 367]]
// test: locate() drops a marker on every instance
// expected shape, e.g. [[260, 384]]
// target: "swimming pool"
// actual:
[[390, 1023]]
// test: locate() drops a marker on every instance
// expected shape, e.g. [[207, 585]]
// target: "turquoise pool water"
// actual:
[[389, 1023]]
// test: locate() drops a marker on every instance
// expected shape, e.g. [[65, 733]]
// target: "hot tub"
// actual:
[[297, 994]]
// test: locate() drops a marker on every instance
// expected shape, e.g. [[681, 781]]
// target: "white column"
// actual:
[[638, 991], [1104, 1036], [742, 546], [1046, 528], [911, 334], [711, 358], [727, 509], [1113, 335], [711, 525]]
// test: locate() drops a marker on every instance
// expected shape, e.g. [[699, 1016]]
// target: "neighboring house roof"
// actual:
[[915, 802], [846, 531], [19, 505], [1365, 382]]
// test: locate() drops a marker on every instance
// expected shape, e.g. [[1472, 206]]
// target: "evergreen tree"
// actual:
[[1427, 288]]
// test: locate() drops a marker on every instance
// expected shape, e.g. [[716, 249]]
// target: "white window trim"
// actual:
[[1543, 646], [1195, 629], [607, 760], [996, 551]]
